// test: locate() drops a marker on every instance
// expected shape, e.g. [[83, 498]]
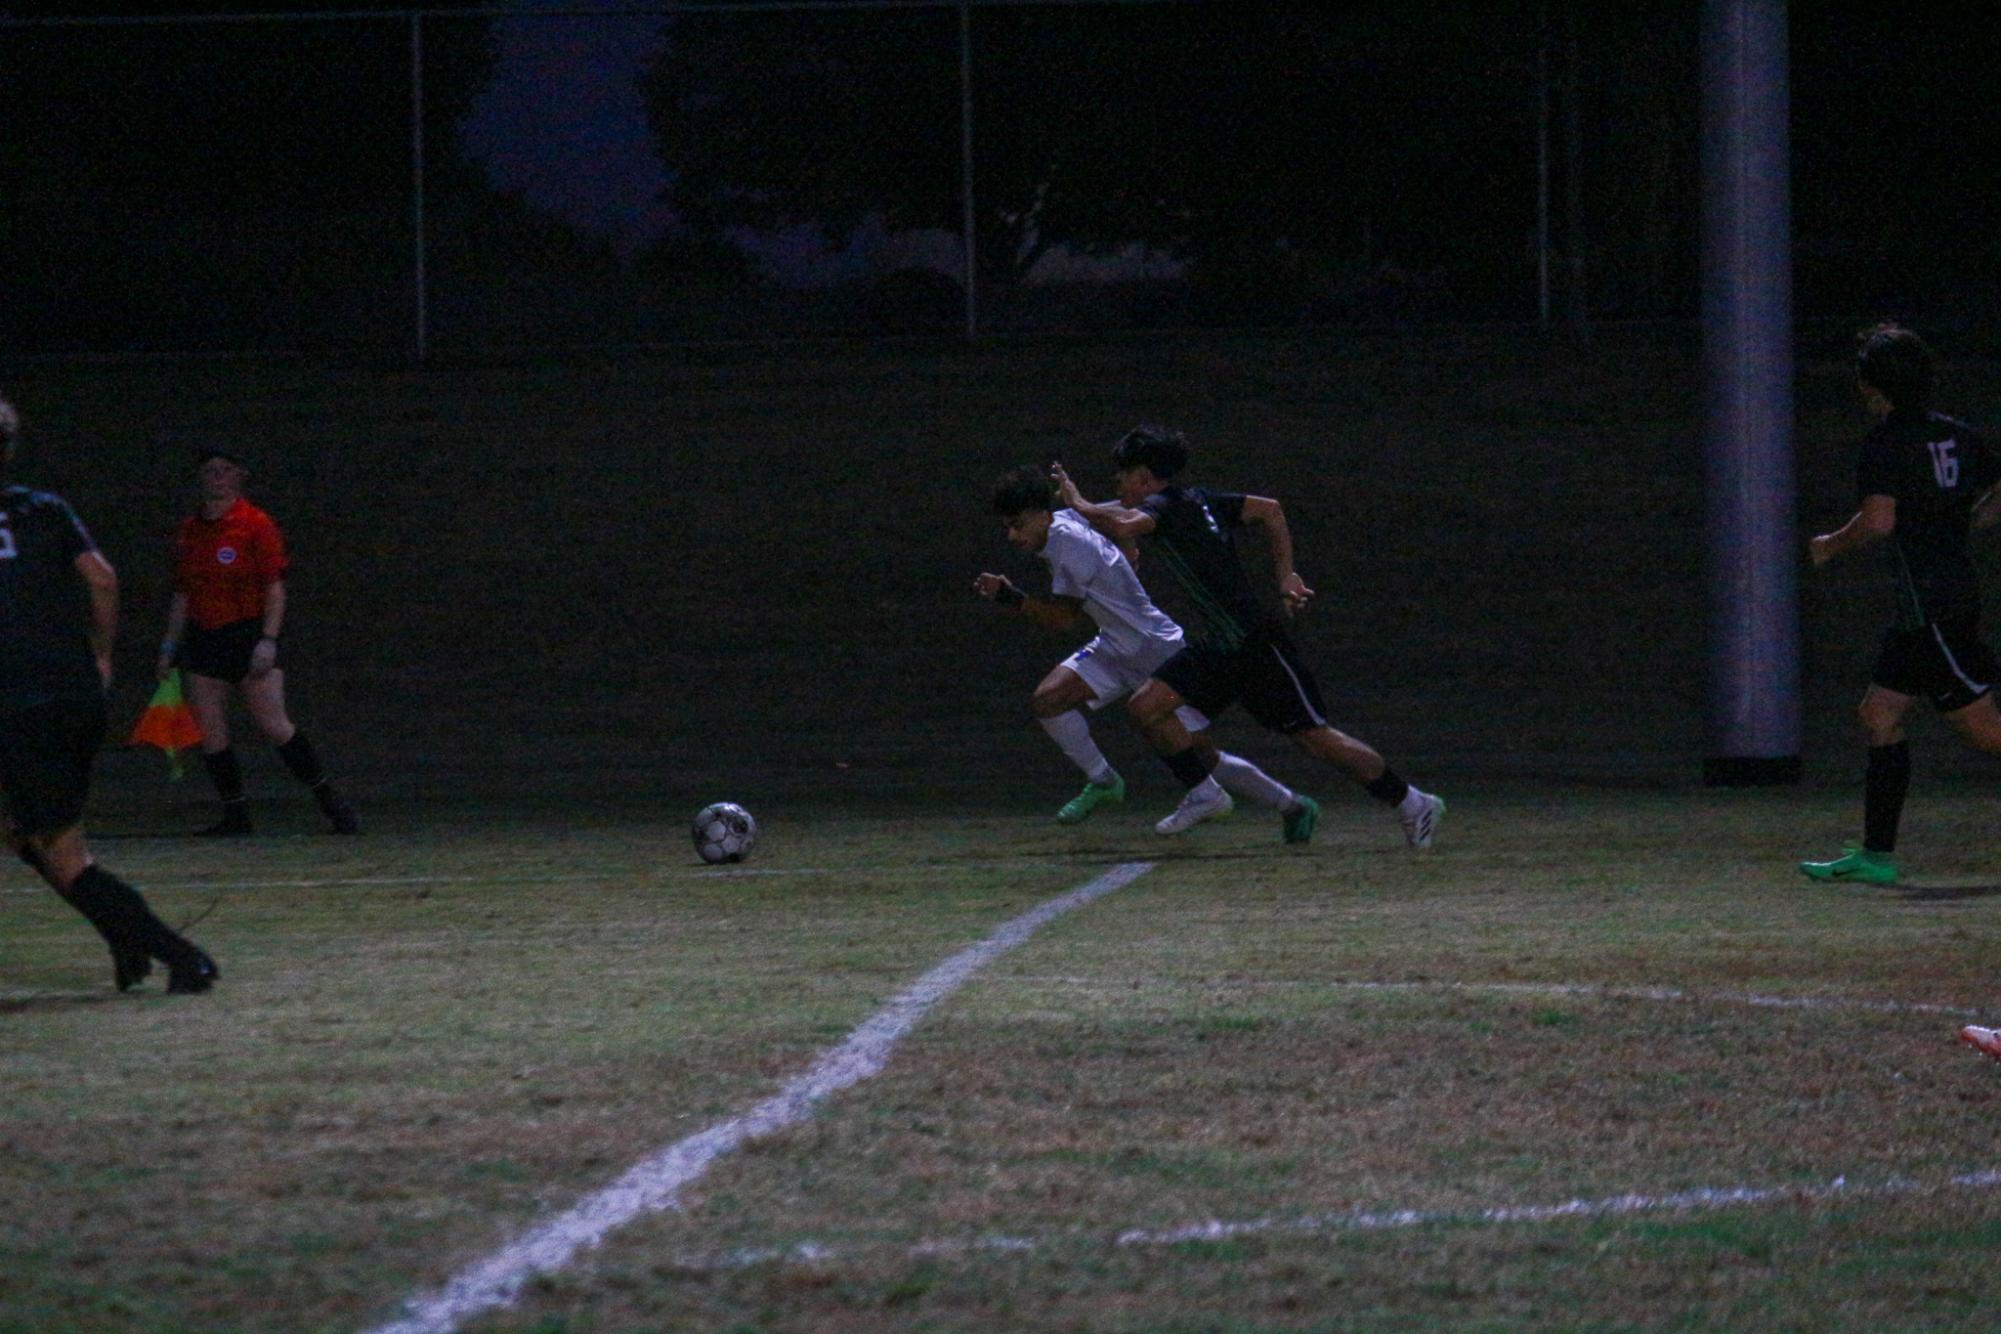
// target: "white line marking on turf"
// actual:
[[1705, 1198], [1591, 990], [655, 1183]]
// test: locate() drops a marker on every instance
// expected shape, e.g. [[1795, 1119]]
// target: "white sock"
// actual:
[[1413, 801], [1246, 780], [1072, 735]]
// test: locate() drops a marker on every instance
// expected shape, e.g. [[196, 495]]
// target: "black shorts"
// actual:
[[1264, 674], [222, 653], [45, 756], [1944, 661]]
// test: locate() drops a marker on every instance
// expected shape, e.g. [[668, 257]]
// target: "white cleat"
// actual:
[[1421, 813], [1982, 1039], [1202, 803]]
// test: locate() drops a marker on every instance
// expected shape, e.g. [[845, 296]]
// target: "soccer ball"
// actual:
[[725, 832]]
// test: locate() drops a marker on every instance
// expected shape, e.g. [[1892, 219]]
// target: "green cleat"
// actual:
[[1871, 868], [1094, 795], [1299, 824]]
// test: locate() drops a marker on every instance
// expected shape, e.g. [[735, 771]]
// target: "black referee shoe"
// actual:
[[130, 966], [191, 973]]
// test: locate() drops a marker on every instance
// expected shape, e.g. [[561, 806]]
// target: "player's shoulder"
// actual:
[[1071, 531], [25, 500]]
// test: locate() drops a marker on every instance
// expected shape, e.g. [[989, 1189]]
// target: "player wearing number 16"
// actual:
[[1923, 482]]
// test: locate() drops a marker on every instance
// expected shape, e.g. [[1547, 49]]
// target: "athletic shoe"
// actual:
[[1420, 826], [1299, 824], [1871, 868], [1094, 795], [130, 966], [191, 972], [340, 815], [1982, 1039], [1206, 802]]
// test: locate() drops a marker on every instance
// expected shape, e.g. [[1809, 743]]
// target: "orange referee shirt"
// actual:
[[223, 565]]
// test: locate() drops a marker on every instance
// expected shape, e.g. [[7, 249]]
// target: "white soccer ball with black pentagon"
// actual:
[[725, 832]]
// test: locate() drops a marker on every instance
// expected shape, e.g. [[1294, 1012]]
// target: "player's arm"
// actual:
[[177, 621], [102, 581], [1876, 520], [265, 656], [1122, 525], [1051, 613], [1269, 517]]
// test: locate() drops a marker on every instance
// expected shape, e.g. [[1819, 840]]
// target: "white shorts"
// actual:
[[1113, 676]]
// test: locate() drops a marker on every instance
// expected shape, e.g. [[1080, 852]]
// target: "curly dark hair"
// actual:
[[1897, 362], [1160, 451], [1020, 490]]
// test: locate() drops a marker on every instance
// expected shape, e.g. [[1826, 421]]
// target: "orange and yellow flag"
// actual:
[[168, 723]]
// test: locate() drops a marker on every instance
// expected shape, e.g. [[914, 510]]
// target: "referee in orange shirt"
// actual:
[[223, 627]]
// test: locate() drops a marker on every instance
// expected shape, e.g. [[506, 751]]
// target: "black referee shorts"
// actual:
[[1264, 674], [46, 752], [222, 653], [1946, 662]]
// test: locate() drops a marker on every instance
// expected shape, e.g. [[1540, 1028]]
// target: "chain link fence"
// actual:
[[461, 181]]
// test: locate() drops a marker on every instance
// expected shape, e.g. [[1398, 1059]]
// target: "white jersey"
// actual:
[[1084, 564]]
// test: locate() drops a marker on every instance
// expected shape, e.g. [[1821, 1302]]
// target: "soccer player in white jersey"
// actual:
[[1090, 577]]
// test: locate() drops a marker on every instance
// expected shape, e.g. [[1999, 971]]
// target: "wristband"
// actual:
[[1009, 596], [262, 638]]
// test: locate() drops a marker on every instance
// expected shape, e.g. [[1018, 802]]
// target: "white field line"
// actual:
[[655, 1182], [1615, 1206], [1589, 990], [589, 878]]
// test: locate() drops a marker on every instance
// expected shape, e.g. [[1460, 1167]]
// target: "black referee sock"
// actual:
[[1387, 787], [1187, 765], [225, 773], [299, 758], [1883, 796]]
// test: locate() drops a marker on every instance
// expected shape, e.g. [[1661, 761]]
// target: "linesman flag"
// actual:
[[168, 723]]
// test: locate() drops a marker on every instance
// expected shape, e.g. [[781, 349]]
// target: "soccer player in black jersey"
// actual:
[[58, 615], [1924, 480], [1240, 654]]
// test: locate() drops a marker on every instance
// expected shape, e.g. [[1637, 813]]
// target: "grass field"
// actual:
[[1600, 1061], [427, 1041]]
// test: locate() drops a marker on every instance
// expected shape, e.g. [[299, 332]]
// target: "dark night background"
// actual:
[[247, 186]]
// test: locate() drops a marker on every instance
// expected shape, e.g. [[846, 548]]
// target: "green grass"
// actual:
[[424, 1043]]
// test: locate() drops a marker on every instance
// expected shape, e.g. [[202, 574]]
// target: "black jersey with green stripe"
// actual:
[[45, 649], [1194, 537], [1935, 468]]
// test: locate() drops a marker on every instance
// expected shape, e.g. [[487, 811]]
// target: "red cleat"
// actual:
[[1982, 1039]]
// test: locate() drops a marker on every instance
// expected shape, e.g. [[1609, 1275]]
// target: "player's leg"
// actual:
[[47, 780], [1209, 799], [1058, 705], [1887, 781], [208, 698], [264, 698], [1980, 723], [1162, 712], [1281, 694]]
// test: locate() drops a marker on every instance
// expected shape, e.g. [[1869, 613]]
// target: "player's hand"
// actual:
[[989, 586], [1066, 490], [264, 657], [104, 669], [1821, 549], [1295, 593]]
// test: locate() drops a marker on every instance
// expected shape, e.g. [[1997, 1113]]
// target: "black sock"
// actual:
[[121, 915], [299, 758], [1387, 787], [1883, 797], [1188, 766], [225, 773]]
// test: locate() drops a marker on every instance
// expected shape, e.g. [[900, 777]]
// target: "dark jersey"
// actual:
[[1194, 536], [45, 649], [1935, 468]]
